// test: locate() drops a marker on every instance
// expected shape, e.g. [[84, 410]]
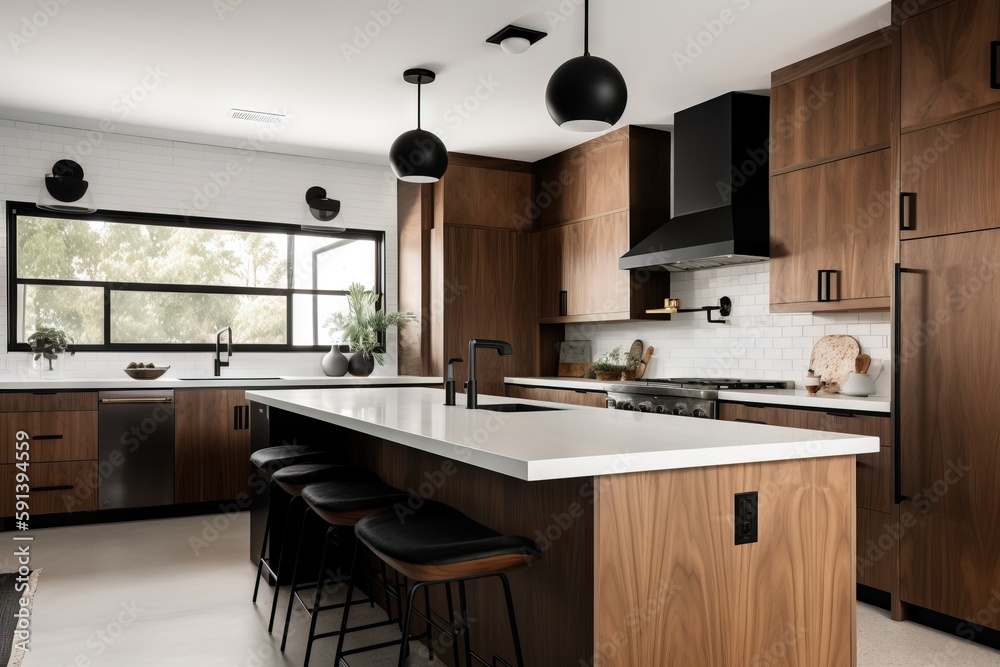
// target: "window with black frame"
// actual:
[[130, 281]]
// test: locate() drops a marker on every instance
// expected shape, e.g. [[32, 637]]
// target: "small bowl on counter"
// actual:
[[147, 373]]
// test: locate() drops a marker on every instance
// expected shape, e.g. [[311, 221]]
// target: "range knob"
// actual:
[[661, 409], [699, 412], [627, 406], [646, 406], [680, 409]]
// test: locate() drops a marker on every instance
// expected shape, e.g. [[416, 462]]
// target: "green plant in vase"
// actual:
[[49, 343], [612, 365], [361, 326]]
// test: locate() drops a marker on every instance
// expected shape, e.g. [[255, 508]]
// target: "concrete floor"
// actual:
[[177, 592]]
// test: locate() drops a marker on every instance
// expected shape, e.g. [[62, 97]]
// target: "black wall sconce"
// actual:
[[65, 190], [322, 208]]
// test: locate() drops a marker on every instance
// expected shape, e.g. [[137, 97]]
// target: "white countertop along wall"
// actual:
[[572, 441], [124, 382], [793, 398], [130, 173], [755, 344]]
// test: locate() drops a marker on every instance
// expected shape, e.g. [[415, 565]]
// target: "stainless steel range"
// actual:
[[687, 397]]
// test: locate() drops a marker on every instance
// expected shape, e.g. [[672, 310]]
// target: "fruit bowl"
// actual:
[[146, 373]]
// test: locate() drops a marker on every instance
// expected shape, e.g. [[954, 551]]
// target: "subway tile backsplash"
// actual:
[[755, 343]]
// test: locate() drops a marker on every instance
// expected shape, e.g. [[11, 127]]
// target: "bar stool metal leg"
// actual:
[[281, 561], [316, 602], [347, 605], [513, 620], [455, 632], [464, 610], [263, 555]]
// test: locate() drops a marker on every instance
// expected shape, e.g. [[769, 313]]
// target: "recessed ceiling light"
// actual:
[[256, 116], [515, 39]]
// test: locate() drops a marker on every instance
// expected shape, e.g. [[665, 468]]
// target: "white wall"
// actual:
[[130, 173], [754, 344]]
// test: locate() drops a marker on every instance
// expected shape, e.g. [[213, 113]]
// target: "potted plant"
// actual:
[[49, 343], [361, 326], [613, 365]]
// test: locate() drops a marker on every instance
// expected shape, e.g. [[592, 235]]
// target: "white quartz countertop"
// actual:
[[793, 398], [573, 441], [12, 383]]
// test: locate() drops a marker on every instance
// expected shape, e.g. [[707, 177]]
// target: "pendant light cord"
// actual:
[[586, 27], [419, 83]]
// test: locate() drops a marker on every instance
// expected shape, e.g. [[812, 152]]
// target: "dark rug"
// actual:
[[14, 639]]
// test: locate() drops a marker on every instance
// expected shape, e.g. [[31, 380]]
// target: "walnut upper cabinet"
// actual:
[[832, 218], [949, 62], [832, 112], [591, 204], [833, 195]]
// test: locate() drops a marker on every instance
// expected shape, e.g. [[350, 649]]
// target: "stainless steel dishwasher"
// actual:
[[135, 448]]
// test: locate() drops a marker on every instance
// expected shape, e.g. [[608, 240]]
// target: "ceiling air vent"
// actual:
[[256, 116]]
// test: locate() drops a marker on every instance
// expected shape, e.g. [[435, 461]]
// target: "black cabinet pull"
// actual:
[[563, 303], [750, 421], [47, 437], [841, 414], [60, 487], [907, 219], [897, 340], [824, 291], [994, 73], [236, 417], [246, 418]]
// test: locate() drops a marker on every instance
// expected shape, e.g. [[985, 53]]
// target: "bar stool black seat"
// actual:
[[436, 543], [341, 503], [270, 459]]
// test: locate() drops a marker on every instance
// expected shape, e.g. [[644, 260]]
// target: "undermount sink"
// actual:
[[516, 407], [228, 378]]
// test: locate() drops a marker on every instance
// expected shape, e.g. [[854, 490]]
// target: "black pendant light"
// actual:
[[587, 93], [418, 156]]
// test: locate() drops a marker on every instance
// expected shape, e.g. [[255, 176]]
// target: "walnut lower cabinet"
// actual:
[[594, 399], [62, 450], [877, 514], [211, 444]]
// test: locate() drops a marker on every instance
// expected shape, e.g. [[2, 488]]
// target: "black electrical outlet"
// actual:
[[746, 517]]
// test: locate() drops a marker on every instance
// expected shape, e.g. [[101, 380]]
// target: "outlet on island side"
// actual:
[[746, 517]]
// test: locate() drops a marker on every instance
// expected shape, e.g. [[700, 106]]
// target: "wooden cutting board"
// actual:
[[832, 359]]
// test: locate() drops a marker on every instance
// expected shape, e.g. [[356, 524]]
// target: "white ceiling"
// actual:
[[287, 56]]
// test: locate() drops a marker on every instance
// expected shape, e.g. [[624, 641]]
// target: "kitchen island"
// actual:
[[636, 516]]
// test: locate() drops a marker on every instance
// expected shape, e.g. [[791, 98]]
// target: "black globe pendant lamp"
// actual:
[[587, 93], [418, 156]]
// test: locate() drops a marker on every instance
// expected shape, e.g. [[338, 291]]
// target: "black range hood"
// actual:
[[721, 213]]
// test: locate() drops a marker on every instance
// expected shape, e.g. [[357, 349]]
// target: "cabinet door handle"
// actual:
[[994, 73], [824, 291], [58, 487], [750, 421], [563, 303], [897, 341], [236, 417], [907, 219], [246, 417], [47, 437]]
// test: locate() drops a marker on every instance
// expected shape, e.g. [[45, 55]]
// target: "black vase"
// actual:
[[361, 366]]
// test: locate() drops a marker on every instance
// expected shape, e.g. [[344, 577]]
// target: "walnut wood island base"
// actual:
[[640, 567]]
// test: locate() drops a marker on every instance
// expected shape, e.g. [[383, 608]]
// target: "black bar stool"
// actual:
[[266, 461], [341, 503], [437, 544]]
